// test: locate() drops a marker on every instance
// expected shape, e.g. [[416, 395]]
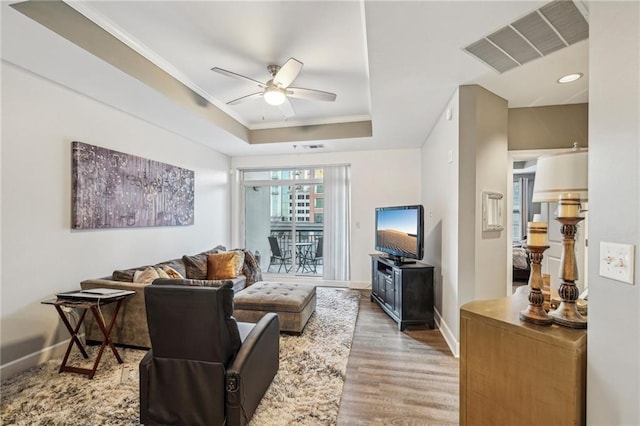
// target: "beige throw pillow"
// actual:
[[145, 276]]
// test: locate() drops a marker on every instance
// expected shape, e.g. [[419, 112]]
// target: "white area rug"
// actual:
[[306, 390]]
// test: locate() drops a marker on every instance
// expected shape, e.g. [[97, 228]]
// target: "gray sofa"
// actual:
[[131, 324]]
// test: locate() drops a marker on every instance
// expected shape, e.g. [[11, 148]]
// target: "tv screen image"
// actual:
[[399, 231]]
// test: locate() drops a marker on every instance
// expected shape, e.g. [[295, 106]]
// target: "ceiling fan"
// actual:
[[277, 91]]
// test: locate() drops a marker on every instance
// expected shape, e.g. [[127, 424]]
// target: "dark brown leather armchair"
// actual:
[[204, 368]]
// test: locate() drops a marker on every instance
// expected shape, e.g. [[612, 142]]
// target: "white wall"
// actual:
[[613, 370], [491, 124], [378, 178], [440, 200], [41, 255], [470, 264]]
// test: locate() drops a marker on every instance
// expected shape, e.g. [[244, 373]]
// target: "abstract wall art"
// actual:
[[116, 190]]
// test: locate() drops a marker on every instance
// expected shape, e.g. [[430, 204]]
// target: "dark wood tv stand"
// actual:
[[404, 291]]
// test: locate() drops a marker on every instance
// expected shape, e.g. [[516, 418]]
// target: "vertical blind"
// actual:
[[337, 185]]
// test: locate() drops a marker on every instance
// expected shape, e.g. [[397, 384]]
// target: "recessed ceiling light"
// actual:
[[570, 78]]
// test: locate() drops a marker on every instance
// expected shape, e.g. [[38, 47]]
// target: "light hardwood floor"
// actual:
[[400, 378]]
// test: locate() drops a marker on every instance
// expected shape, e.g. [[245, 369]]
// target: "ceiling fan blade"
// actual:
[[287, 73], [310, 94], [287, 109], [250, 97], [238, 76]]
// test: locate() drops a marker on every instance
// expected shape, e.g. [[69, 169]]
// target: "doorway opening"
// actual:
[[520, 210]]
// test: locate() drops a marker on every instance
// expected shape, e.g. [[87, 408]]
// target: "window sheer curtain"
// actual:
[[524, 206], [337, 196]]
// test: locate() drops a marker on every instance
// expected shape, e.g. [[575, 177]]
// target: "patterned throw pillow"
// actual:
[[251, 268], [172, 273], [238, 259], [176, 264], [222, 266], [161, 273], [216, 249], [196, 266], [126, 275], [146, 276]]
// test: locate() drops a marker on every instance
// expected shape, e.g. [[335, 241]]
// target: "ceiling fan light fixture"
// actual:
[[274, 96], [277, 91]]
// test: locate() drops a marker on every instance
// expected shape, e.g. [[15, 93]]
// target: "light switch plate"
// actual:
[[616, 261]]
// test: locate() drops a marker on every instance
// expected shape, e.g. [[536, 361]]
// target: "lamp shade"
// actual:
[[561, 173]]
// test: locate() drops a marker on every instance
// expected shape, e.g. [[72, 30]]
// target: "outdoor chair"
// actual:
[[316, 257], [279, 257]]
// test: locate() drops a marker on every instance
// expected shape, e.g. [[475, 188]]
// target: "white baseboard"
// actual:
[[449, 337], [360, 285], [31, 360]]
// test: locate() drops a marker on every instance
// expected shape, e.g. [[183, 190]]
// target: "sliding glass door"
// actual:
[[284, 219]]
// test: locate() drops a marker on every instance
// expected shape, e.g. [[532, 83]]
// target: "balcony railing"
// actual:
[[304, 245]]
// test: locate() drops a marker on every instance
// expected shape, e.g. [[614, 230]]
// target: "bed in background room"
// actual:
[[521, 263]]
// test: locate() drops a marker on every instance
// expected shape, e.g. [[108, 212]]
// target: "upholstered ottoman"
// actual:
[[294, 304]]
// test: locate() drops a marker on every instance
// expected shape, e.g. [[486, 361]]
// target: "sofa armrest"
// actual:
[[108, 283], [253, 369], [131, 325]]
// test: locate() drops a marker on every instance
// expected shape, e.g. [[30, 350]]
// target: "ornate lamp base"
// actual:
[[567, 312], [535, 312]]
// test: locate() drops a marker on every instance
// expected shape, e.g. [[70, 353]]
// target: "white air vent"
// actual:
[[539, 33], [491, 55], [310, 146], [552, 27]]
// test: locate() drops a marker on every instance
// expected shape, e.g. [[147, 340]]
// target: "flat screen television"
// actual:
[[399, 232]]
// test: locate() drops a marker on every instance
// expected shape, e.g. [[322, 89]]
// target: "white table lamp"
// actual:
[[563, 178]]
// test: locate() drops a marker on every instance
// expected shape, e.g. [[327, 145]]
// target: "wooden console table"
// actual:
[[94, 306], [518, 373]]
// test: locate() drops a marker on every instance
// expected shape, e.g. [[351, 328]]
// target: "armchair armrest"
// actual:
[[143, 369], [237, 283], [258, 361]]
